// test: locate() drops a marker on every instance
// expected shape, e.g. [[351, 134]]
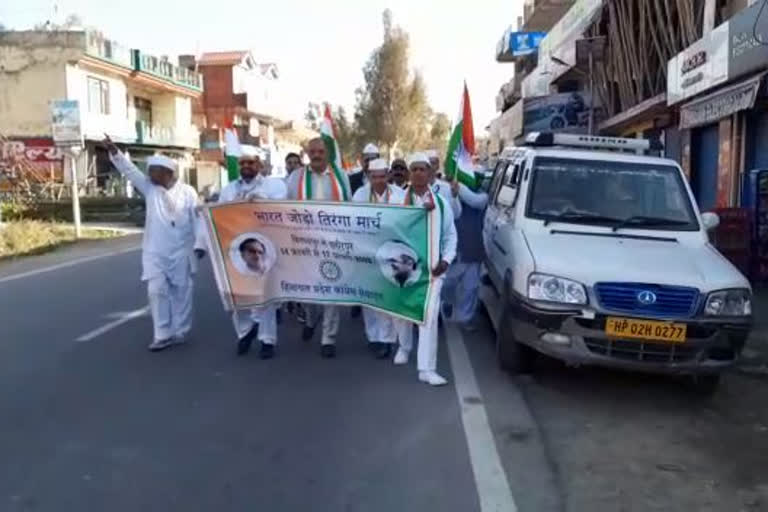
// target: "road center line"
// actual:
[[125, 317], [66, 264], [490, 477]]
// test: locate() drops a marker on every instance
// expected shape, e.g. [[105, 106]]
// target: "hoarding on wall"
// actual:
[[564, 113], [65, 122], [726, 53], [699, 67], [38, 154], [524, 43]]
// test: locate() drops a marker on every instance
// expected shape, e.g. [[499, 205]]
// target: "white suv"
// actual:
[[602, 257]]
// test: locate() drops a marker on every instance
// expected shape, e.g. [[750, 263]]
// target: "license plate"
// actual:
[[645, 330]]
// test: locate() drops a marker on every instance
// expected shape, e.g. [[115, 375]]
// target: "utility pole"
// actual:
[[72, 153]]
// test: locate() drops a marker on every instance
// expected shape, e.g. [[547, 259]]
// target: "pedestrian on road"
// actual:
[[399, 173], [358, 179], [258, 322], [462, 282], [379, 327], [320, 181], [449, 191], [292, 162], [419, 193], [173, 242]]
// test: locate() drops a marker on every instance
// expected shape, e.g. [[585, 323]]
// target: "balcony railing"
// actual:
[[166, 70], [159, 135], [106, 49]]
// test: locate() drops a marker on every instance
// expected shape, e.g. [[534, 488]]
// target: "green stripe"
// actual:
[[330, 148], [233, 168], [467, 179], [453, 145]]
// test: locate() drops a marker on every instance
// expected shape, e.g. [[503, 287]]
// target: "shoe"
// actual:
[[307, 333], [356, 311], [244, 344], [301, 314], [328, 351], [373, 346], [383, 351], [267, 351], [401, 357], [447, 311], [432, 378], [158, 345]]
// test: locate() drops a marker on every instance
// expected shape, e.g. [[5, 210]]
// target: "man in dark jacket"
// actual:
[[360, 178]]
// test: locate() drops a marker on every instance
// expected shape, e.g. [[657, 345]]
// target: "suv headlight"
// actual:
[[737, 302], [556, 289]]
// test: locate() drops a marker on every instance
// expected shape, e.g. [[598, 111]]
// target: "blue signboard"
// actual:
[[524, 43]]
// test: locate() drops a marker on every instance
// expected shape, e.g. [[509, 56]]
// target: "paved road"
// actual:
[[105, 425]]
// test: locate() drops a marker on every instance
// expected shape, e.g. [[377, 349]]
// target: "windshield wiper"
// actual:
[[581, 217], [645, 221]]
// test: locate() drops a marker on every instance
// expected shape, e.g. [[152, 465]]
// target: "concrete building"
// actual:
[[142, 101], [239, 93]]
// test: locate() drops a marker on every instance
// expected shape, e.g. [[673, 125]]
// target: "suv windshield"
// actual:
[[621, 195]]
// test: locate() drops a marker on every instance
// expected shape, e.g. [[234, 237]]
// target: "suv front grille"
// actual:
[[660, 301], [641, 351]]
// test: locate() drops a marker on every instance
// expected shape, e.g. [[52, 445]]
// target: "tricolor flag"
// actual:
[[232, 152], [328, 133], [461, 146]]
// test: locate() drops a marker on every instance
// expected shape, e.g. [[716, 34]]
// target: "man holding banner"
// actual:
[[258, 322], [419, 193], [379, 327], [321, 180]]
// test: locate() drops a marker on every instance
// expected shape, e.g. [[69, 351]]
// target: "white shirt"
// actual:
[[260, 187], [448, 236], [444, 189], [321, 184], [363, 195], [173, 228]]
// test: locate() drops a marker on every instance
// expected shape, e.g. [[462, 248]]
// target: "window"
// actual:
[[98, 96], [608, 192], [143, 110], [498, 173]]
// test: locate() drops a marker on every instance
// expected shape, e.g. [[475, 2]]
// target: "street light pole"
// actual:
[[591, 93]]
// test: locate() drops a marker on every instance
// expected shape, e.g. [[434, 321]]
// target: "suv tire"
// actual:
[[514, 357]]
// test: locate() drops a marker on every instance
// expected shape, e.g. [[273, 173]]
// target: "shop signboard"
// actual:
[[747, 54], [699, 67], [65, 122]]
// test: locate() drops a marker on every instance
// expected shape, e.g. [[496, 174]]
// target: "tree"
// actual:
[[71, 22], [346, 134], [392, 108], [439, 132]]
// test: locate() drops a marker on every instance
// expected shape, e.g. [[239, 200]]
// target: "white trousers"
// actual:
[[331, 317], [265, 316], [379, 327], [171, 307], [426, 357]]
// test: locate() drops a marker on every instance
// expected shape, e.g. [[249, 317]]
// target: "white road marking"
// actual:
[[66, 264], [490, 477], [123, 318]]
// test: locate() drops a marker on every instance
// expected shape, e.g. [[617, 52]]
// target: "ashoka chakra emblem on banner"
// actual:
[[330, 270]]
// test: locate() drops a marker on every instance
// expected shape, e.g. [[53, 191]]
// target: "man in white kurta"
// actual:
[[419, 193], [320, 182], [173, 241], [251, 186], [379, 327]]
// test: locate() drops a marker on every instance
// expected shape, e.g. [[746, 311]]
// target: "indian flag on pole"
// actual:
[[328, 133], [461, 146], [232, 152]]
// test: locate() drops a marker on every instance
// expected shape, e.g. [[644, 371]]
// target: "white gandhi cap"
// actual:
[[247, 151], [418, 158], [162, 161], [379, 164], [371, 149]]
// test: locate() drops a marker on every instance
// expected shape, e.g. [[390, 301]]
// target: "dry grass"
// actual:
[[24, 237]]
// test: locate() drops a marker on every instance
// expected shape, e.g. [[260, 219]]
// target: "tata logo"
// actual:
[[646, 298]]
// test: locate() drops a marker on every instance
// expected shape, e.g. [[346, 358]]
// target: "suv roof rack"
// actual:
[[591, 141]]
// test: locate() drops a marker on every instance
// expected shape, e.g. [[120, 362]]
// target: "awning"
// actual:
[[723, 103], [645, 110]]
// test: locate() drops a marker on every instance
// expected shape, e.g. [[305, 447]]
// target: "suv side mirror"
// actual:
[[710, 220], [506, 196]]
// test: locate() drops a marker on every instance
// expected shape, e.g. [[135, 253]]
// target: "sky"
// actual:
[[319, 47]]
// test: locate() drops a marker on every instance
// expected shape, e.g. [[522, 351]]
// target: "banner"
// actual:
[[339, 253]]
